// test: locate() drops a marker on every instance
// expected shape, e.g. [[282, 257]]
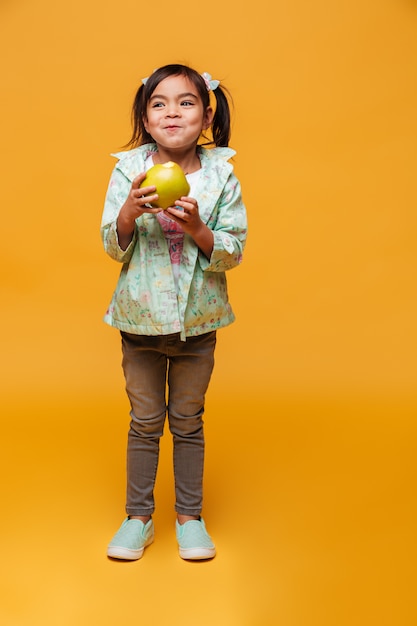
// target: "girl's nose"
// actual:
[[172, 111]]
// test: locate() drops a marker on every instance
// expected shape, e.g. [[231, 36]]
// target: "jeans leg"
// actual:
[[145, 368], [189, 373]]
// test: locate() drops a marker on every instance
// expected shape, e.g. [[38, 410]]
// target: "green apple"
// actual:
[[170, 183]]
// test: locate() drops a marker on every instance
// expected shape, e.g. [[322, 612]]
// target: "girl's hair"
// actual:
[[220, 128]]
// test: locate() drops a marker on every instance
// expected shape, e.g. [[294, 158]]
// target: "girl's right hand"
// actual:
[[134, 207], [137, 200]]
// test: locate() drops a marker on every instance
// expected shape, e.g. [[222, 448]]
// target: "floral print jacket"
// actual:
[[146, 301]]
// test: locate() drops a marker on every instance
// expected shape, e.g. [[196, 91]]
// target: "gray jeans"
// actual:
[[166, 375]]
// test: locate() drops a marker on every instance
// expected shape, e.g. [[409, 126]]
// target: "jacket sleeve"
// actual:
[[117, 192], [229, 226]]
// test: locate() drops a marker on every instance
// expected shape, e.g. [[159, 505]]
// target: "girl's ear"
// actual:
[[145, 123], [208, 118]]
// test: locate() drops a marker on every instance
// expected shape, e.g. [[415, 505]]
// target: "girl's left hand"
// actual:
[[187, 215], [189, 218]]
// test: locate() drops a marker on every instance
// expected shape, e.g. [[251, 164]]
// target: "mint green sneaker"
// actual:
[[131, 540], [194, 541]]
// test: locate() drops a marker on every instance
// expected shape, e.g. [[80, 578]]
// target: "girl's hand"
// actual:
[[137, 200], [185, 212], [134, 207], [189, 218]]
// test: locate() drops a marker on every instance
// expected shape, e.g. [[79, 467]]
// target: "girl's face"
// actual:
[[175, 115]]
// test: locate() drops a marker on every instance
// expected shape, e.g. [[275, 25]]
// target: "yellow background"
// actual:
[[311, 415]]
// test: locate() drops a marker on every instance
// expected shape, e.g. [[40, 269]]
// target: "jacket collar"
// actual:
[[131, 162]]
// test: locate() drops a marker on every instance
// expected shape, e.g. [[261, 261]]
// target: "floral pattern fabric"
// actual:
[[145, 300]]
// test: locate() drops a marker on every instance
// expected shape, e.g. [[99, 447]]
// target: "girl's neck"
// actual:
[[189, 162]]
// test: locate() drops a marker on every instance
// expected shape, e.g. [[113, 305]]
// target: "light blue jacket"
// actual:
[[145, 301]]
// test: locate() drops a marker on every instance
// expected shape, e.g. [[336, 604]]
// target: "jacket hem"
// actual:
[[190, 331]]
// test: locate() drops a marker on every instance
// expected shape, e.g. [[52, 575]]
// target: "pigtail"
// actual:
[[139, 133], [221, 125]]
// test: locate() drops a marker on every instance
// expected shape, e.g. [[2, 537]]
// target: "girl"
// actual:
[[171, 296]]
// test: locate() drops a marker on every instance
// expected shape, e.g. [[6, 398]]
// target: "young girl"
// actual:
[[171, 296]]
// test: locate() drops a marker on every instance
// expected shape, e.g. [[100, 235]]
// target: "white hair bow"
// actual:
[[210, 84]]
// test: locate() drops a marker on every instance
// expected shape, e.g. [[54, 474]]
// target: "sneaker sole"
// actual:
[[126, 554], [197, 554]]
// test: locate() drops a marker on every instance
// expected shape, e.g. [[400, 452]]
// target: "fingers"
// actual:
[[147, 194], [144, 202], [137, 191], [143, 196], [184, 212], [137, 181], [186, 205]]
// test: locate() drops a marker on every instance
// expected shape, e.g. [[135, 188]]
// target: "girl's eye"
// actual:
[[157, 105], [187, 103]]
